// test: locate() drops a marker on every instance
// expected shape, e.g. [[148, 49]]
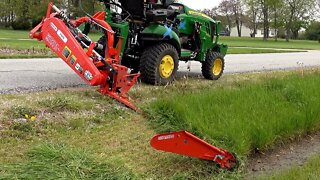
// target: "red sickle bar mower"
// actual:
[[187, 144], [62, 35]]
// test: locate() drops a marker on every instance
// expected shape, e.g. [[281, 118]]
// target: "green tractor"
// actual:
[[158, 33]]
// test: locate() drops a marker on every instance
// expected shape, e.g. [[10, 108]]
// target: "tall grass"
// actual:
[[59, 162], [244, 116]]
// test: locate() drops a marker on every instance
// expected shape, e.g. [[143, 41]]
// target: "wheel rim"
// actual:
[[166, 66], [217, 67]]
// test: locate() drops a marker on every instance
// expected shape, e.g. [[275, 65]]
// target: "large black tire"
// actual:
[[153, 58], [213, 66]]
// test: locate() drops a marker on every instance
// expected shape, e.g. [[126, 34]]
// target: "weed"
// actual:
[[16, 112], [24, 127]]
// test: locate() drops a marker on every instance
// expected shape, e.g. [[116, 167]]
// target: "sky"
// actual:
[[201, 4]]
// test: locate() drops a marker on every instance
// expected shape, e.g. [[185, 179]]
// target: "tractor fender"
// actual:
[[156, 33], [220, 48]]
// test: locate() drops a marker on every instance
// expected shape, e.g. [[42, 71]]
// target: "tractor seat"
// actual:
[[134, 7]]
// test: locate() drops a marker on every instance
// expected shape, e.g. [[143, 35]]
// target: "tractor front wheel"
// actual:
[[213, 66], [159, 64]]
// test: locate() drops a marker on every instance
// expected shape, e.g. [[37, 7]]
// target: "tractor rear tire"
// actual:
[[159, 64], [213, 66]]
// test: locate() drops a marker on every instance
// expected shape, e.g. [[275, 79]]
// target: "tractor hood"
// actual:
[[192, 12]]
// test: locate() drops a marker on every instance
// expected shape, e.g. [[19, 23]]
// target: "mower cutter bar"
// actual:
[[185, 143]]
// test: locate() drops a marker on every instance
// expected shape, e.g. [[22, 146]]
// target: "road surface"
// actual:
[[41, 74]]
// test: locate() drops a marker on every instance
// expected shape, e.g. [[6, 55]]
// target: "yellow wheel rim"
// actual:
[[217, 67], [166, 66]]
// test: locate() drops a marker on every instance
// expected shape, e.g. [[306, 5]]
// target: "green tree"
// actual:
[[313, 31], [6, 13], [276, 8], [253, 12], [225, 9], [297, 14]]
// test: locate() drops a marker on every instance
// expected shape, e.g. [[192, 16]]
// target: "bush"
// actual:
[[21, 24], [35, 22], [313, 31]]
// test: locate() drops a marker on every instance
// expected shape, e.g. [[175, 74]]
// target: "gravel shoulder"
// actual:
[[284, 156]]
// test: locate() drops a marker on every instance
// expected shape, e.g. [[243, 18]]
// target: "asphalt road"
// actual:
[[42, 74]]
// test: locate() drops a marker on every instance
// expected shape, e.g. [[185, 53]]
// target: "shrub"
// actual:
[[21, 24]]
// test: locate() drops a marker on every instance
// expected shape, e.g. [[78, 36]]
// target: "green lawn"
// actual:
[[259, 43], [22, 44], [19, 40], [14, 34], [234, 50]]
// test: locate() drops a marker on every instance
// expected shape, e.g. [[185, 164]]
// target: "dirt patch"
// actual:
[[285, 156]]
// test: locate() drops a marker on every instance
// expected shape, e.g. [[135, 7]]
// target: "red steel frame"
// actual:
[[187, 144], [112, 77]]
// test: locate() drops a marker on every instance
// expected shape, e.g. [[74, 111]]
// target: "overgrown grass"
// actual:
[[49, 161], [259, 43], [244, 116], [310, 170]]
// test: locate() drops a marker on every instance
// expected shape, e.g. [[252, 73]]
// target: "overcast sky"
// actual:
[[201, 4]]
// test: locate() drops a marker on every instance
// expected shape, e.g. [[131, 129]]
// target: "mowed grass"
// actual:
[[270, 43], [80, 134], [48, 161], [14, 34], [18, 40], [19, 44], [246, 116], [233, 50], [310, 170]]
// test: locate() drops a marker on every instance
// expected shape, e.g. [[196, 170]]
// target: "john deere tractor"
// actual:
[[157, 34]]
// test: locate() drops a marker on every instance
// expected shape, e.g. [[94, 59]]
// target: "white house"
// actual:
[[246, 32]]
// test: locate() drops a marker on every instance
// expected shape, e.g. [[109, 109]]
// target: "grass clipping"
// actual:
[[246, 116]]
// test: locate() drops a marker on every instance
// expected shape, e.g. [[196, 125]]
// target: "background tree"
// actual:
[[297, 14], [265, 5], [225, 9], [254, 13], [6, 14], [237, 8], [276, 9]]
